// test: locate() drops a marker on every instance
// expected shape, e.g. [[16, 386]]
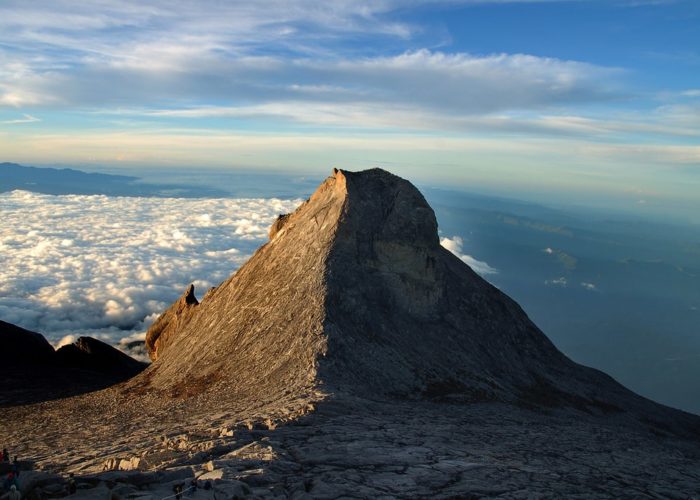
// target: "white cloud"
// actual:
[[65, 340], [589, 286], [189, 78], [455, 244], [561, 281], [253, 57], [107, 266]]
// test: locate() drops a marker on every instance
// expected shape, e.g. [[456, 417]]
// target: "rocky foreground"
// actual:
[[354, 357], [355, 448]]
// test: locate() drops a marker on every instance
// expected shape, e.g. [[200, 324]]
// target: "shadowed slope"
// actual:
[[354, 294], [33, 371]]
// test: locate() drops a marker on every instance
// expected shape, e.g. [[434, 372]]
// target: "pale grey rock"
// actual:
[[353, 357]]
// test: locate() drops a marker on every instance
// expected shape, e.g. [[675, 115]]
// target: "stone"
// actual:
[[212, 475], [230, 489], [158, 336], [129, 464], [91, 354], [29, 480], [387, 368]]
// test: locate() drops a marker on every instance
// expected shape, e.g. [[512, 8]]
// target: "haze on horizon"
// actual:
[[592, 102]]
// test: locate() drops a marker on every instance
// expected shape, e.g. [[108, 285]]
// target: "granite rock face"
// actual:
[[353, 357], [175, 318], [354, 294]]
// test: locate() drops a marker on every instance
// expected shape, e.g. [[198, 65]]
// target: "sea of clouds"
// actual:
[[108, 266]]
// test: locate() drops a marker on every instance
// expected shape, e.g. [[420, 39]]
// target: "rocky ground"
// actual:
[[292, 379], [356, 448]]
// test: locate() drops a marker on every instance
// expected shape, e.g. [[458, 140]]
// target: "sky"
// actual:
[[584, 101]]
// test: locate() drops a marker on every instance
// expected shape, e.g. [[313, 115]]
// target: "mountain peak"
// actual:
[[354, 294]]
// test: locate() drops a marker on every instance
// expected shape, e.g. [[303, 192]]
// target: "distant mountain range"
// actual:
[[70, 181]]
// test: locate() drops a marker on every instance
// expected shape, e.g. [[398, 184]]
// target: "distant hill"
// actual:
[[34, 372], [70, 181]]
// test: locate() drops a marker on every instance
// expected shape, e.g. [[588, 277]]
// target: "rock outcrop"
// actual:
[[34, 371], [91, 354], [354, 294], [23, 347], [175, 318], [338, 362]]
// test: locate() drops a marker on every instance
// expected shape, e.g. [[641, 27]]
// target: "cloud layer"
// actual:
[[294, 60], [108, 266], [418, 85], [455, 245]]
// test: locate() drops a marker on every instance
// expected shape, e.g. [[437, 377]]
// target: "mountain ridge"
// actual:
[[353, 356], [353, 293]]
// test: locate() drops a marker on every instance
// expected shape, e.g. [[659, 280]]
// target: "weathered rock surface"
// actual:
[[356, 448], [353, 357], [354, 293]]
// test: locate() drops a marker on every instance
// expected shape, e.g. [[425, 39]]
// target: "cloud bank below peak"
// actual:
[[108, 266]]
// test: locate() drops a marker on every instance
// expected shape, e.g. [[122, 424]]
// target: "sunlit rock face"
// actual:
[[353, 355], [174, 319], [355, 294]]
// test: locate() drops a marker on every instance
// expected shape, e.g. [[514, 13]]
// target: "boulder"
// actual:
[[94, 355], [23, 347]]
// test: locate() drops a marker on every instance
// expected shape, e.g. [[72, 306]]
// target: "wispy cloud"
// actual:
[[255, 83], [453, 84], [455, 245], [26, 118]]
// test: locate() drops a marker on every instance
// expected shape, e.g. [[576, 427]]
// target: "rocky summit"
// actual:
[[354, 294], [353, 356]]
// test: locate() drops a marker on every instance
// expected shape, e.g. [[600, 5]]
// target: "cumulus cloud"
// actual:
[[561, 281], [455, 244], [589, 286], [108, 266], [270, 58], [302, 89]]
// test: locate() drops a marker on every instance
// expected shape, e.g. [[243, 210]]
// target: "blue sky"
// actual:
[[582, 100]]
